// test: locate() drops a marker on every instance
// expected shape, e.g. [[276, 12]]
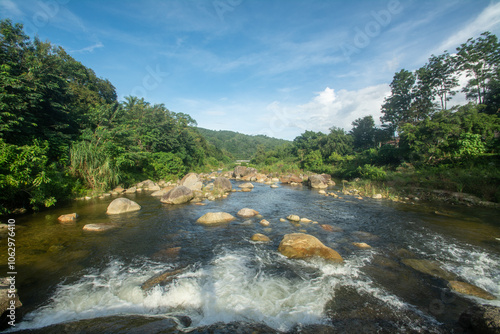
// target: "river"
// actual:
[[66, 274]]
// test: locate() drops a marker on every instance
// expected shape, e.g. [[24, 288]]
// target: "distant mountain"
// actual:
[[240, 146]]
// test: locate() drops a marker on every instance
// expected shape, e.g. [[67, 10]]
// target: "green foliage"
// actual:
[[470, 145], [91, 163], [27, 178], [313, 161], [240, 146], [371, 172], [167, 165]]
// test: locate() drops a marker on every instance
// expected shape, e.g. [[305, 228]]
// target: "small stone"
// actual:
[[98, 227], [247, 213], [331, 228], [69, 218], [305, 220], [264, 222], [294, 218], [361, 245], [377, 196], [260, 238]]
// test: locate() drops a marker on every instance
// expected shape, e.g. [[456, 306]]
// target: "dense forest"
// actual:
[[63, 133], [239, 145]]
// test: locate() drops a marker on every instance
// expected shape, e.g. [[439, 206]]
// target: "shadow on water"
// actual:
[[68, 274]]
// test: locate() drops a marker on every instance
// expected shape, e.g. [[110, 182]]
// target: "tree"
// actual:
[[363, 132], [396, 109], [479, 59], [437, 79]]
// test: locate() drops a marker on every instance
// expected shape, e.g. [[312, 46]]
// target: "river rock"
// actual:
[[377, 196], [247, 213], [161, 192], [362, 245], [264, 223], [364, 235], [98, 227], [293, 218], [178, 195], [68, 218], [305, 220], [5, 302], [301, 246], [222, 184], [122, 205], [331, 228], [211, 218], [192, 181], [481, 319], [161, 279], [131, 190], [246, 185], [258, 237], [430, 268], [239, 171], [317, 182], [471, 290], [119, 189], [246, 190]]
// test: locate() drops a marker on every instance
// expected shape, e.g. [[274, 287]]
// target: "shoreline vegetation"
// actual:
[[65, 135]]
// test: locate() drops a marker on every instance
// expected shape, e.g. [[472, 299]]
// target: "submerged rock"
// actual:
[[68, 218], [178, 195], [122, 205], [471, 290], [331, 228], [361, 245], [98, 227], [302, 246], [430, 268], [161, 279], [211, 218]]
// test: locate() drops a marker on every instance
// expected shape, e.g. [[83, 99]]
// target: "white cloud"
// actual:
[[487, 20], [89, 49], [10, 9], [325, 110]]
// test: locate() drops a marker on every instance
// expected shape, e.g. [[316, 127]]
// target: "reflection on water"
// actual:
[[67, 274]]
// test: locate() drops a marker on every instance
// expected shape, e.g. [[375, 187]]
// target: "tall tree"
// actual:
[[396, 109], [363, 133], [437, 79], [479, 58]]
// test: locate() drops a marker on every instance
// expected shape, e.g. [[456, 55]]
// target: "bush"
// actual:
[[371, 172], [167, 165]]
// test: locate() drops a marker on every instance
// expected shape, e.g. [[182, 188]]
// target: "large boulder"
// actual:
[[303, 246], [178, 195], [222, 184], [484, 319], [239, 171], [213, 218], [317, 182], [192, 181], [122, 205]]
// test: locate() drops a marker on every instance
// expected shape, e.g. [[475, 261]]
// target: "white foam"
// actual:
[[235, 286]]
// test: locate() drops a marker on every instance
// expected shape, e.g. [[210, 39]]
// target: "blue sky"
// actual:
[[274, 67]]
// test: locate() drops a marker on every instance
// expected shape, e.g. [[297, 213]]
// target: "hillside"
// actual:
[[239, 145]]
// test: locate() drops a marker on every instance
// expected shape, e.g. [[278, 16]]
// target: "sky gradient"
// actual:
[[257, 66]]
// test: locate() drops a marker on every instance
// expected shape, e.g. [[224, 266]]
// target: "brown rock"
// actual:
[[247, 213], [430, 268], [260, 238], [98, 227], [331, 228], [317, 182], [302, 246], [471, 290], [245, 185], [192, 181], [213, 218], [69, 218], [222, 184], [264, 222], [122, 205], [161, 279], [293, 218], [178, 195], [361, 245]]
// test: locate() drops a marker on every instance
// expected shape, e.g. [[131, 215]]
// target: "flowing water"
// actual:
[[66, 274]]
